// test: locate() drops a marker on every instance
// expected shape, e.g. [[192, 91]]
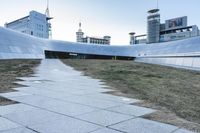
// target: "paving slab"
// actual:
[[98, 103], [69, 109], [132, 110], [66, 125], [15, 108], [18, 130], [32, 117], [106, 130], [66, 108], [44, 92], [6, 124], [113, 98], [86, 92], [104, 118], [84, 100], [140, 125]]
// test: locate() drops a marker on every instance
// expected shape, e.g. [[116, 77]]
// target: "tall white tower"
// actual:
[[47, 13], [79, 34]]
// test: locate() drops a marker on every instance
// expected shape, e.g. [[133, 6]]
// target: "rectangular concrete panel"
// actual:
[[92, 102], [5, 124], [104, 118], [66, 125], [32, 117], [15, 108], [113, 98], [66, 108], [140, 125], [132, 110]]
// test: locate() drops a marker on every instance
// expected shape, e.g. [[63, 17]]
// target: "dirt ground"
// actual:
[[174, 92], [9, 70]]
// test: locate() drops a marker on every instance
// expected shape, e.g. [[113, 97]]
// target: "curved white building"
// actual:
[[182, 53]]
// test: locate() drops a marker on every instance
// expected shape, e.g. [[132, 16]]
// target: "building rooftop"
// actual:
[[153, 11], [17, 20]]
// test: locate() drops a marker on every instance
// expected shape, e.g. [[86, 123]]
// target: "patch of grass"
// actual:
[[5, 101], [177, 90], [9, 70]]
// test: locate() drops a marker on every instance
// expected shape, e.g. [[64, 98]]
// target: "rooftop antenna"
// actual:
[[48, 20], [157, 4], [47, 10], [79, 25]]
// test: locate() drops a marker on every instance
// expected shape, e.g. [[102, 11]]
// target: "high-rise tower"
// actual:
[[79, 34], [153, 26]]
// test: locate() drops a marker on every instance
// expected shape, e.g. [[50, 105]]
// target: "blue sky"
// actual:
[[100, 17]]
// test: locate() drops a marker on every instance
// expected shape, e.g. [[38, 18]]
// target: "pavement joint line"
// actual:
[[116, 130], [32, 129], [122, 121]]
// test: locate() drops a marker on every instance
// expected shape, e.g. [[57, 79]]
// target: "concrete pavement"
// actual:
[[59, 99]]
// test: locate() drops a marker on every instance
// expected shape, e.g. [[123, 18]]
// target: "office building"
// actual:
[[35, 24], [91, 40], [172, 30], [176, 29]]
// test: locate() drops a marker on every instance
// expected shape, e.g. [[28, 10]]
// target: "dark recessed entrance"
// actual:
[[68, 55]]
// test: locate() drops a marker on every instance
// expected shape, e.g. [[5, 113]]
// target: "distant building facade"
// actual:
[[176, 29], [91, 40], [153, 26], [35, 24], [171, 30]]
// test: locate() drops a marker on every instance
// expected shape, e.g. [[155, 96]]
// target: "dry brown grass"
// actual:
[[9, 70], [176, 92]]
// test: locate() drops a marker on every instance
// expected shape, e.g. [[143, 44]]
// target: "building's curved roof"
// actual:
[[18, 45]]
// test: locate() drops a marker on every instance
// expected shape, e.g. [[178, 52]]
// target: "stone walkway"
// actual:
[[62, 100]]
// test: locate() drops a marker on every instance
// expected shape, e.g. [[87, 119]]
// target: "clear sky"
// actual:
[[100, 17]]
